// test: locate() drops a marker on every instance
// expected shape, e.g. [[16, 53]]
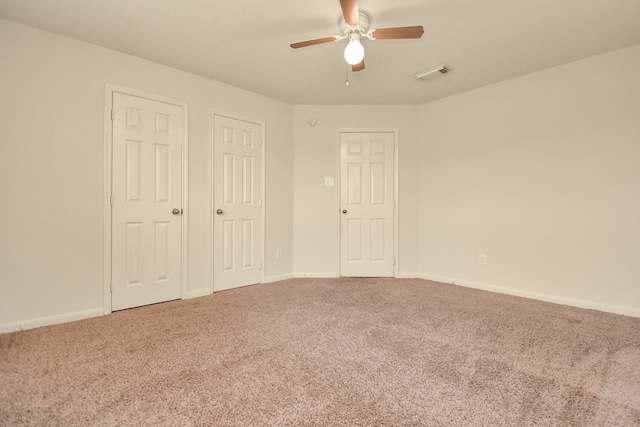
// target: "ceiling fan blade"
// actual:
[[358, 67], [313, 42], [350, 11], [399, 33]]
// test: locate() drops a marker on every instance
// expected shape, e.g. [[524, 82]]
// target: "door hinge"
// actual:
[[260, 204], [111, 287], [112, 114], [111, 200], [394, 261]]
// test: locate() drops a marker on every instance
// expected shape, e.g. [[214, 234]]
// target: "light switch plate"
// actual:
[[328, 182]]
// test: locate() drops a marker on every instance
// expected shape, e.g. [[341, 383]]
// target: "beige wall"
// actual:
[[542, 174], [51, 169], [316, 211]]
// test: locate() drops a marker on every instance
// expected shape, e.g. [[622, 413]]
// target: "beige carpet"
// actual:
[[329, 352]]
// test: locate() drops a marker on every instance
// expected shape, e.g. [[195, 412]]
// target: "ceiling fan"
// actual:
[[355, 25]]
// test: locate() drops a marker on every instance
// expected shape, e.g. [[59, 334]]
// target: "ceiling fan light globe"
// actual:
[[354, 52]]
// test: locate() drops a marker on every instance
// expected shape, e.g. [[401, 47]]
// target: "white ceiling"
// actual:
[[246, 43]]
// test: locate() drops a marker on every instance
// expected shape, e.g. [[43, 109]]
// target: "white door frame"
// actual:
[[396, 228], [108, 167], [211, 188]]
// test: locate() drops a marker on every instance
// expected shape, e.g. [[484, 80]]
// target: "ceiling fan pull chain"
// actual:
[[347, 82]]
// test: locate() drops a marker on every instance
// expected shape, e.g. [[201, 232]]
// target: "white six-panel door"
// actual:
[[146, 201], [367, 204], [237, 203]]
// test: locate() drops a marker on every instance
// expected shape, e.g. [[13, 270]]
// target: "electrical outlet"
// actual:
[[328, 182], [279, 253], [482, 259]]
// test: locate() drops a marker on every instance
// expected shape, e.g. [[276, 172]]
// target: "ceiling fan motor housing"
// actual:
[[363, 24]]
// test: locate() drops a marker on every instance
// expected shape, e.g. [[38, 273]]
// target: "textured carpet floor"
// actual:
[[329, 352]]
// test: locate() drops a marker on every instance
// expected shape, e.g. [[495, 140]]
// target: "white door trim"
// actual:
[[211, 189], [395, 191], [108, 166]]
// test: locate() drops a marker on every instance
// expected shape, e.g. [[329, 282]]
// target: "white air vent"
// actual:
[[443, 69]]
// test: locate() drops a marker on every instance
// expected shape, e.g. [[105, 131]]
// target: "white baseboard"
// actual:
[[410, 276], [52, 320], [573, 302], [278, 278], [198, 293], [70, 317], [331, 275]]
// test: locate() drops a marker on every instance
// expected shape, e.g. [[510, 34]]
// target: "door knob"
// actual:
[[344, 211], [219, 211], [176, 211]]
